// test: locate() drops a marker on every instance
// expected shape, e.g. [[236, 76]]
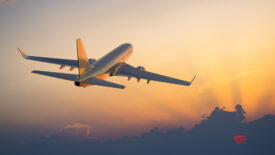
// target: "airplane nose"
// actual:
[[127, 45]]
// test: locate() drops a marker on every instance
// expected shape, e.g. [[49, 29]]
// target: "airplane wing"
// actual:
[[73, 77], [130, 71], [62, 62]]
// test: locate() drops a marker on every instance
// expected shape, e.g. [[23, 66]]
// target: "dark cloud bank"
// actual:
[[213, 136]]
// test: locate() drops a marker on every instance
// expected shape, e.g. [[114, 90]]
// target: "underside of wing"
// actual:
[[130, 71], [62, 62], [74, 77], [100, 82]]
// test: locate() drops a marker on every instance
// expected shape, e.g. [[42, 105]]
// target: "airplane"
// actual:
[[94, 72]]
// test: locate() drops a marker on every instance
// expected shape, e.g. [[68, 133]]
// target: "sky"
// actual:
[[229, 45]]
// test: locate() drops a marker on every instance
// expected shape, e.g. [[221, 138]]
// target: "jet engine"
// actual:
[[91, 61], [141, 68]]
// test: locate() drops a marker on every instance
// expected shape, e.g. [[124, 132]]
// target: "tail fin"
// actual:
[[83, 63]]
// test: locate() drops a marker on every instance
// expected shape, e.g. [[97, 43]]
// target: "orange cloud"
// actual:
[[76, 130]]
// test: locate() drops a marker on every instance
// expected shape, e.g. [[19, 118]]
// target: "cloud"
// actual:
[[76, 130], [11, 2], [213, 135]]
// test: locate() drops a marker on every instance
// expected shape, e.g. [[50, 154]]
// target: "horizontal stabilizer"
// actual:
[[74, 77], [64, 76], [100, 82]]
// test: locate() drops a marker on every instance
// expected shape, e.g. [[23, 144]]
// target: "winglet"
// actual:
[[193, 79], [22, 53]]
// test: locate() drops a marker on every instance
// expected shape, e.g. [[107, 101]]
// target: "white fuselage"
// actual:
[[104, 64]]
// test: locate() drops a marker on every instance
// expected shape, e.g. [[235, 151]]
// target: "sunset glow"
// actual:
[[229, 45]]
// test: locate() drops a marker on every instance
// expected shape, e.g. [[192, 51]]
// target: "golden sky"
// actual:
[[229, 45]]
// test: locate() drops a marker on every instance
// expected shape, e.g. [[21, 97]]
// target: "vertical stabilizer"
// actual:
[[83, 63]]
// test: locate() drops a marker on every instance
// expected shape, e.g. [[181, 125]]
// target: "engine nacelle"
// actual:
[[116, 69], [91, 61], [141, 68]]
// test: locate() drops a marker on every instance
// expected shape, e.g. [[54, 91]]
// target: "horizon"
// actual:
[[219, 130]]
